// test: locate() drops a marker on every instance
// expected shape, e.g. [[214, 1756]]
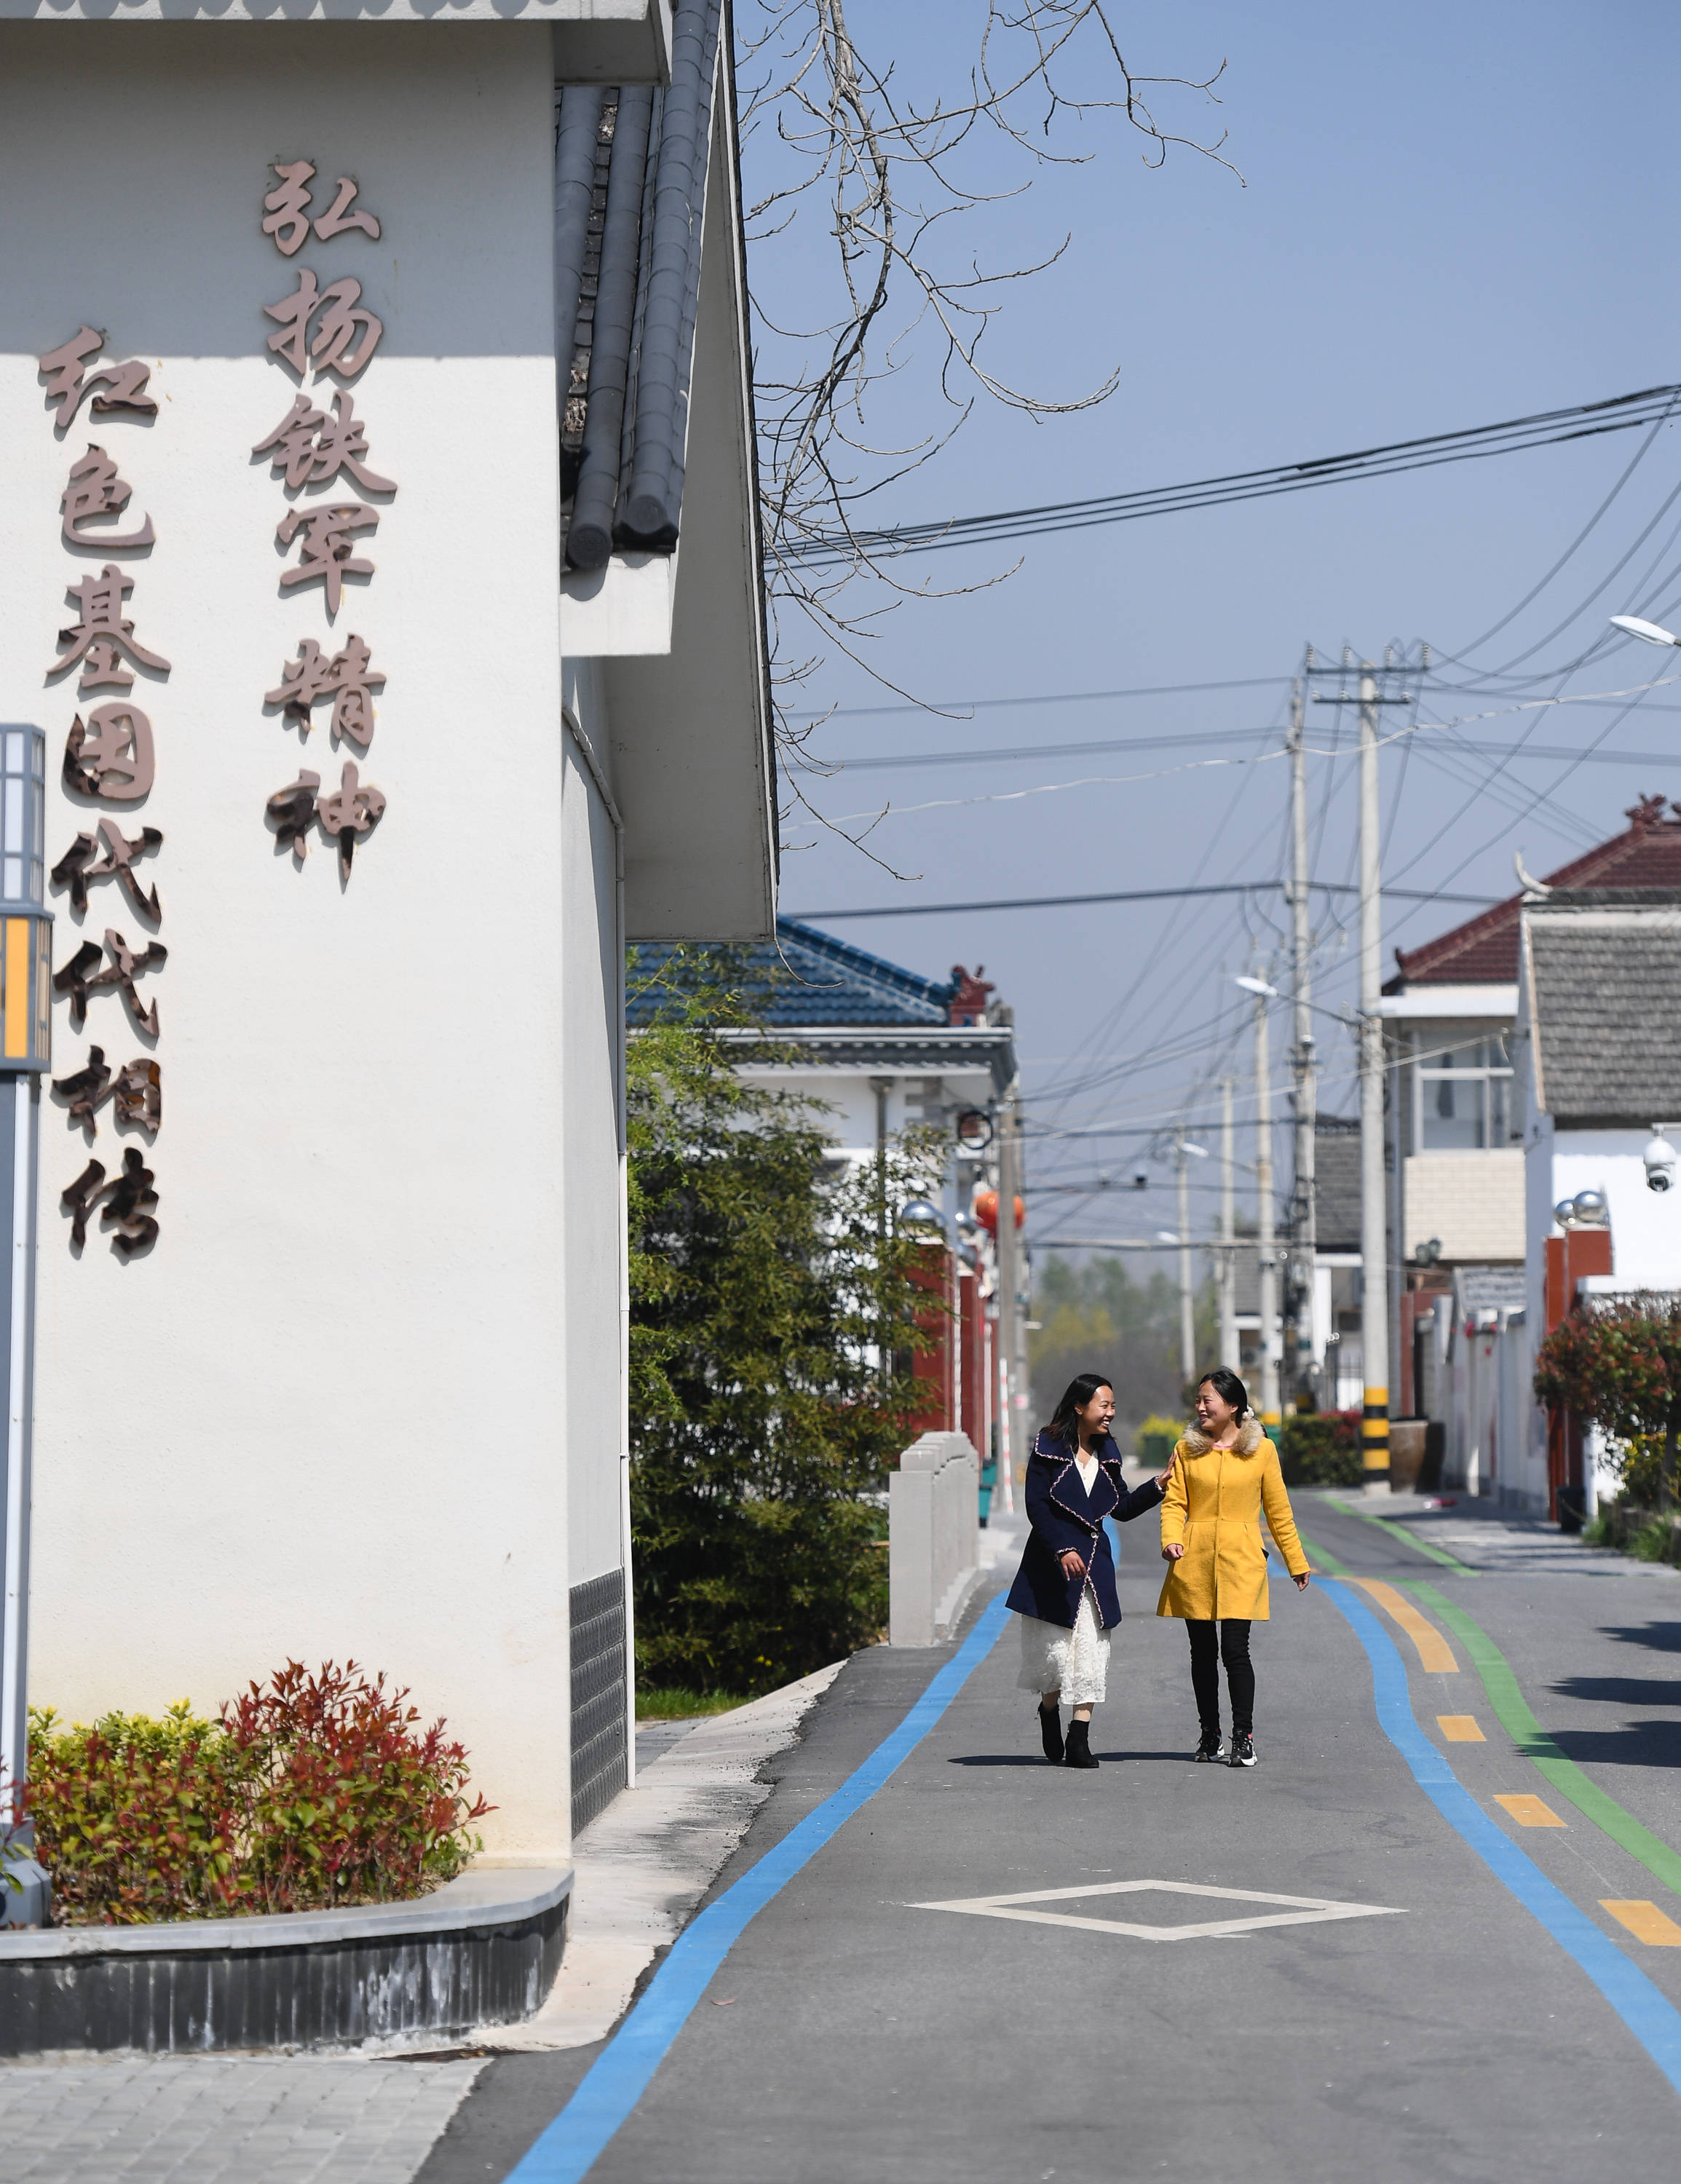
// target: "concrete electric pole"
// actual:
[[1263, 1192], [1188, 1347], [1374, 1311], [1303, 1208], [1231, 1354]]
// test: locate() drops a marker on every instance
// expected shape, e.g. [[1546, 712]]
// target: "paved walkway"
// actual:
[[203, 2121], [872, 2023], [857, 2032]]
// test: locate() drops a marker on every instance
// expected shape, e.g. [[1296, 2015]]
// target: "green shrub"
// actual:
[[1321, 1448], [308, 1793]]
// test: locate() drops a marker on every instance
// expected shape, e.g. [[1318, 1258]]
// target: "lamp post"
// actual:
[[25, 1055], [1271, 1346]]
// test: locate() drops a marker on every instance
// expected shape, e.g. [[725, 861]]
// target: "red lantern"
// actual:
[[986, 1210]]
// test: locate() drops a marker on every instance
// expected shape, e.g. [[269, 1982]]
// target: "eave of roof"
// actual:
[[1483, 950]]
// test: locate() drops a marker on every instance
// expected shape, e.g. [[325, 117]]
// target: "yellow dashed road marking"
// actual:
[[1460, 1729], [1530, 1812], [1435, 1655], [1645, 1921]]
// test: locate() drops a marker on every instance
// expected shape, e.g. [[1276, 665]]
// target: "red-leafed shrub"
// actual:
[[345, 1800], [309, 1793]]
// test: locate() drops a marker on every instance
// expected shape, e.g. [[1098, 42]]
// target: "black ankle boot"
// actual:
[[1051, 1733], [1079, 1750]]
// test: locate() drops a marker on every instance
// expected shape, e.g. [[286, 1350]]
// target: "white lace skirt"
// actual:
[[1075, 1662]]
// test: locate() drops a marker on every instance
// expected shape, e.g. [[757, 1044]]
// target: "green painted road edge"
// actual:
[[1320, 1559], [1400, 1532], [1519, 1723]]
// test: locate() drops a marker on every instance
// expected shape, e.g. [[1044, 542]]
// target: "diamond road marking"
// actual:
[[1305, 1910]]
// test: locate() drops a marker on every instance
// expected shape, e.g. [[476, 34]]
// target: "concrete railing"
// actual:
[[933, 1534]]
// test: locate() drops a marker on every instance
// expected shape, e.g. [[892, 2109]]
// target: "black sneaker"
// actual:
[[1212, 1745], [1242, 1750]]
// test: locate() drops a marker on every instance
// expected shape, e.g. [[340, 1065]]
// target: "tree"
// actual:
[[1619, 1365], [871, 299], [1095, 1317], [766, 1413]]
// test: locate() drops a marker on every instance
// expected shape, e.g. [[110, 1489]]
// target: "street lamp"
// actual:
[[1648, 632], [26, 1054]]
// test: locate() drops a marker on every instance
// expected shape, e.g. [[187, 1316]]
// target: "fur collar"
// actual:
[[1250, 1438]]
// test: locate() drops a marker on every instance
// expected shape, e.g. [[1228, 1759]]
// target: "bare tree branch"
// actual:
[[828, 137]]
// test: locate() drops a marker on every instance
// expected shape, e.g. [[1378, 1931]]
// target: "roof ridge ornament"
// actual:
[[1535, 890]]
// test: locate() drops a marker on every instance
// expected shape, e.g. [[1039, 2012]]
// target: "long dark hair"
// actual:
[[1075, 1397], [1229, 1388]]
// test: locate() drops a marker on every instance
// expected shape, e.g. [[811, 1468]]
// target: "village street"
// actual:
[[852, 2033]]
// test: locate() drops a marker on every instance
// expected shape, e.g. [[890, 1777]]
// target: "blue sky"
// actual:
[[1450, 216]]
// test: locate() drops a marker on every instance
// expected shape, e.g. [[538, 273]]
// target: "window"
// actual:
[[1463, 1093]]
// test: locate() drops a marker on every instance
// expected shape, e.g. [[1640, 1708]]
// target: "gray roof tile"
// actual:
[[630, 195], [1606, 978]]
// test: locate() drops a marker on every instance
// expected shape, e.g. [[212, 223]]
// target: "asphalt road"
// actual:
[[854, 2034]]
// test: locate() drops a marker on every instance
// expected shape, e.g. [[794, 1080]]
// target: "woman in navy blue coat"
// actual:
[[1064, 1590]]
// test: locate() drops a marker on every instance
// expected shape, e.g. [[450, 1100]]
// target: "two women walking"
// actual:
[[1223, 1474]]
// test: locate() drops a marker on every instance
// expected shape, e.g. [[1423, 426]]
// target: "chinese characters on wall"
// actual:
[[318, 453], [322, 333], [110, 758]]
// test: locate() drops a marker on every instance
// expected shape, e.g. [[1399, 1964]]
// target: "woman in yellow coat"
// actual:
[[1226, 1474]]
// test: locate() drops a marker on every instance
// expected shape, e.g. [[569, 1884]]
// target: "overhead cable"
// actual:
[[1546, 428]]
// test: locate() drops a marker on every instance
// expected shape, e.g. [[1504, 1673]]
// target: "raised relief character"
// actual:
[[78, 979], [94, 494], [136, 1092], [310, 448], [324, 547], [349, 813], [101, 640], [288, 208], [130, 1202], [110, 757], [348, 679], [116, 854], [341, 321], [69, 381]]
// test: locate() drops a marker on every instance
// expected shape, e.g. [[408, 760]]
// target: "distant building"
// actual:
[[1599, 1054], [1470, 1192], [885, 1048]]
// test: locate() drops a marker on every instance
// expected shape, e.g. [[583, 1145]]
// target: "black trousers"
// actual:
[[1206, 1654]]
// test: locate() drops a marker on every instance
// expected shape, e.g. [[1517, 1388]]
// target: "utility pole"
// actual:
[[1231, 1355], [1374, 1314], [1304, 1207], [1188, 1351], [1263, 1188]]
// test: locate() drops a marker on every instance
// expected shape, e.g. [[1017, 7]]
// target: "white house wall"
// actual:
[[327, 1414], [594, 1236]]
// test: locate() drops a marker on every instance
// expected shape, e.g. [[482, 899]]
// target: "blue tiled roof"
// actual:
[[807, 977]]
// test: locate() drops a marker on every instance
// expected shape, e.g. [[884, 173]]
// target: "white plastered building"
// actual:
[[364, 1395]]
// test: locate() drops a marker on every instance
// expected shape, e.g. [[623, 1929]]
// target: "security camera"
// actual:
[[1660, 1157], [1140, 1179]]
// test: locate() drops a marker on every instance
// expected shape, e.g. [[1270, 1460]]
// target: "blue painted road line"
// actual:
[[572, 2144], [1649, 2014]]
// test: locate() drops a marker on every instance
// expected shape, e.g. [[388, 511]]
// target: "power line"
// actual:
[[1129, 894], [1546, 428], [958, 707]]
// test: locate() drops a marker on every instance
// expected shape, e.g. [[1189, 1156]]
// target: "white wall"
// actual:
[[594, 1234], [327, 1414]]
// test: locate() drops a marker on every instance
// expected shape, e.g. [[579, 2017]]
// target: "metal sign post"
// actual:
[[25, 1055]]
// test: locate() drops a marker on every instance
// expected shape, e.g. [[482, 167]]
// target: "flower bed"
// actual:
[[306, 1793]]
